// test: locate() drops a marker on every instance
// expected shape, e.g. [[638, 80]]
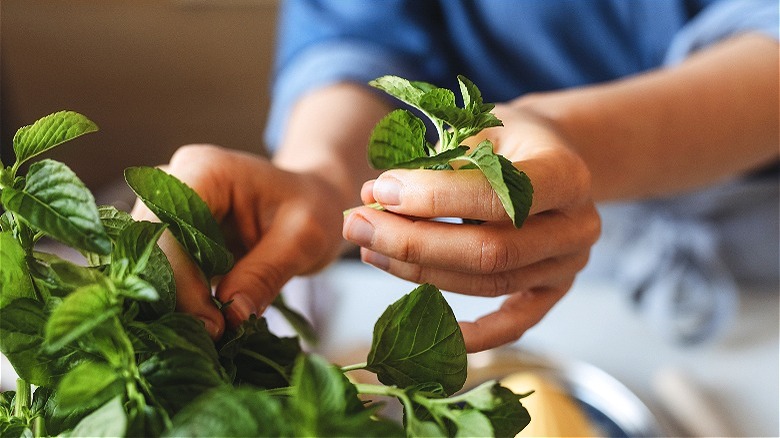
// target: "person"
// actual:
[[601, 101]]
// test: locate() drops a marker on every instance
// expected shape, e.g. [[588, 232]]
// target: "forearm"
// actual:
[[713, 117], [327, 134]]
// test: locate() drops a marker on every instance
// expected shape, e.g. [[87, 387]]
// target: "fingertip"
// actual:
[[367, 192], [213, 328], [239, 309]]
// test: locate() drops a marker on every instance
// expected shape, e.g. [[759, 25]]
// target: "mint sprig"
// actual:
[[399, 139]]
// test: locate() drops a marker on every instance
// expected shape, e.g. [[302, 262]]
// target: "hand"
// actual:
[[283, 224], [533, 266]]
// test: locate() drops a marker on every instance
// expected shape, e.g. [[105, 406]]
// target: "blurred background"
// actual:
[[153, 74]]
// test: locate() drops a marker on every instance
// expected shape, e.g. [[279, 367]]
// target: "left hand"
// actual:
[[533, 266]]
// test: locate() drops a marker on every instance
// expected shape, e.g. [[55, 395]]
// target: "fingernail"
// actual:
[[387, 191], [360, 231], [242, 307], [211, 328], [380, 261]]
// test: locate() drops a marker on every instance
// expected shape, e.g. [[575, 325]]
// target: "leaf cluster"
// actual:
[[109, 355], [399, 140]]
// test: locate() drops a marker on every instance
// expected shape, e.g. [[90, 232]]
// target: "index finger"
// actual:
[[559, 178]]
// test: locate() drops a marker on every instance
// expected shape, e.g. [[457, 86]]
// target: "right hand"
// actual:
[[283, 224]]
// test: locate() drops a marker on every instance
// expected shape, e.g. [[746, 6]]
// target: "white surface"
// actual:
[[737, 376]]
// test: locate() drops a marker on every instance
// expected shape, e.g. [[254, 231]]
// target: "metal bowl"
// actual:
[[611, 407]]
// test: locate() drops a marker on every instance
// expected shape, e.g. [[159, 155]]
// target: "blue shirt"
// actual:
[[679, 258]]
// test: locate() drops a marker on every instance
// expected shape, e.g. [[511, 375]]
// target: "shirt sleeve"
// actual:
[[723, 19], [321, 42]]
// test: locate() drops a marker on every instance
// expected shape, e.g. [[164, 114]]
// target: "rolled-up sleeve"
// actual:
[[723, 19], [321, 42]]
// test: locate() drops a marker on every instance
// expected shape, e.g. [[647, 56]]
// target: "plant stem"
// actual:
[[357, 366], [23, 398]]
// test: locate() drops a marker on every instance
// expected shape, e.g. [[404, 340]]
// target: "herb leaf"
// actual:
[[22, 325], [55, 201], [227, 412], [15, 281], [186, 214], [418, 340], [48, 132], [512, 186], [79, 313], [398, 138], [89, 385]]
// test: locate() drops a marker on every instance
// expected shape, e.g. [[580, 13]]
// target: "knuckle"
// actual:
[[494, 256], [501, 284], [186, 154], [410, 250]]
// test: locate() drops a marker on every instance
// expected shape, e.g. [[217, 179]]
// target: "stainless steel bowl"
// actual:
[[612, 408]]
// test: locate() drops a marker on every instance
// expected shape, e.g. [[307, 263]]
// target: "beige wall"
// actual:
[[153, 74]]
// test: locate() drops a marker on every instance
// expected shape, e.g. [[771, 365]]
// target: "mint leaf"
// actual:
[[48, 132], [56, 202], [322, 399], [89, 385], [22, 325], [418, 340], [82, 311], [109, 420], [252, 355], [188, 217], [512, 186], [157, 270], [15, 281], [178, 376], [398, 138], [228, 412], [136, 242]]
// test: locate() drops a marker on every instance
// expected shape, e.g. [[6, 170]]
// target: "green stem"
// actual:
[[278, 368], [357, 366], [23, 398], [39, 427]]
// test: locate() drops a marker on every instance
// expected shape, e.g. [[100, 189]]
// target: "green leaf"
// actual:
[[56, 202], [508, 416], [175, 330], [157, 270], [178, 376], [136, 242], [297, 321], [59, 277], [109, 420], [186, 214], [398, 138], [138, 289], [512, 186], [48, 132], [418, 340], [22, 325], [15, 281], [89, 385], [231, 412], [471, 423], [253, 355], [82, 311], [437, 161], [323, 400], [402, 89]]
